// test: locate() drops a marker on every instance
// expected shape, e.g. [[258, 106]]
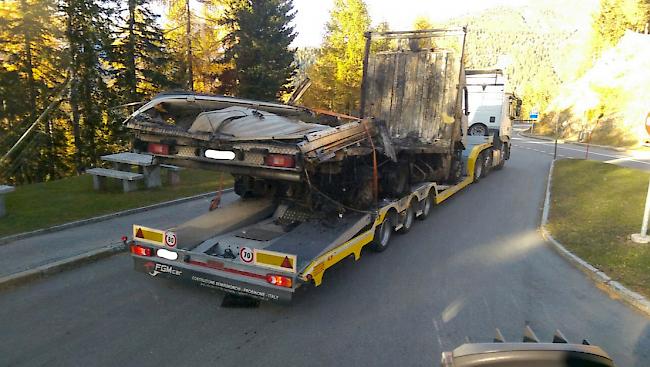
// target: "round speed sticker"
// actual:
[[246, 254], [170, 239]]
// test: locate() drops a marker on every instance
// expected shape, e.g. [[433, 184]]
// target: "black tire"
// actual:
[[477, 130], [502, 157], [395, 180], [426, 205], [478, 168], [409, 219], [487, 162], [456, 172], [382, 235]]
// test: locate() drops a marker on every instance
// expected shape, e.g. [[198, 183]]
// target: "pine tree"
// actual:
[[89, 40], [337, 73], [142, 62], [30, 59], [259, 48]]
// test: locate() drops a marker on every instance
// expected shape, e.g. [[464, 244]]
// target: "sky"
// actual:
[[400, 14]]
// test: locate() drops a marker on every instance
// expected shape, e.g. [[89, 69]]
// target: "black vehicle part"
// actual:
[[395, 179], [530, 353]]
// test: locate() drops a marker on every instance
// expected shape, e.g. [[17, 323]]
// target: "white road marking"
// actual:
[[435, 326], [615, 158]]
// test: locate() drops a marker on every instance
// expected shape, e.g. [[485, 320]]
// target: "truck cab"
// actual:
[[491, 107]]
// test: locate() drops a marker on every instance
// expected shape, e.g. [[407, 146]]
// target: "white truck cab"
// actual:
[[491, 108]]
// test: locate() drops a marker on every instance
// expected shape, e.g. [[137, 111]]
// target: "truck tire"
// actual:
[[425, 205], [478, 168], [456, 172], [477, 130], [382, 235], [409, 219], [395, 180]]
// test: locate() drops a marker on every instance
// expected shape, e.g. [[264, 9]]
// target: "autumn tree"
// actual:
[[337, 73], [614, 18]]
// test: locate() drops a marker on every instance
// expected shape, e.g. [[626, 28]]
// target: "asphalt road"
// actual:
[[632, 159], [477, 263]]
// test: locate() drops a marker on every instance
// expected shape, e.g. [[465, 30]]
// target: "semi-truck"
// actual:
[[312, 190]]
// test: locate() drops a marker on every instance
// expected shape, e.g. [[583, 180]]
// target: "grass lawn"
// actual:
[[46, 204], [594, 208]]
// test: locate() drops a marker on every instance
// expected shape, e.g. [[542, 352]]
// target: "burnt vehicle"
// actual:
[[411, 129]]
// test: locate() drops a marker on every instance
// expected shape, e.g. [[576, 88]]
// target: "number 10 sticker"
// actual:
[[246, 254]]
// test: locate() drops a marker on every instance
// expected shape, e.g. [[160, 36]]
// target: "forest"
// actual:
[[72, 70]]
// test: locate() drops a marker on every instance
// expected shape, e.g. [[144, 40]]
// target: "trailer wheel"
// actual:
[[382, 235], [478, 168], [502, 157], [487, 162], [409, 218], [426, 205]]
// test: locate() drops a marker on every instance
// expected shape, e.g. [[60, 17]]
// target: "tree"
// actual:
[[30, 68], [422, 23], [88, 36], [258, 48], [337, 73], [614, 18], [142, 62], [179, 34]]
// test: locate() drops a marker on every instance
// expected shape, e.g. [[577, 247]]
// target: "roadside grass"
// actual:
[[46, 204], [594, 208]]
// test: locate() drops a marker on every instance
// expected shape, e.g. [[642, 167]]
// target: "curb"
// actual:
[[15, 237], [612, 287], [42, 271]]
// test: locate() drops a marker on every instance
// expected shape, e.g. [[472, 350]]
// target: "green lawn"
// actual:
[[46, 204], [595, 207]]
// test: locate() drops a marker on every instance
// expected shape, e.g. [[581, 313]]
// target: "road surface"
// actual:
[[633, 159], [477, 263]]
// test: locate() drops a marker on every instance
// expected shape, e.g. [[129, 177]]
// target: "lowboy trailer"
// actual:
[[266, 250]]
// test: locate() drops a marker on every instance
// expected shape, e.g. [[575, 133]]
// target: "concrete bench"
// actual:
[[129, 179], [172, 173], [4, 189]]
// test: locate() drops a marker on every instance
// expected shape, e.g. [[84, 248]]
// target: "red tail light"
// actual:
[[280, 160], [141, 251], [279, 280], [156, 148]]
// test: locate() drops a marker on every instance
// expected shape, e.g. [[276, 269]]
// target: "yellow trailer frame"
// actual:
[[316, 269]]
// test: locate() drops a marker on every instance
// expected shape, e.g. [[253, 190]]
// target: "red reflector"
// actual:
[[279, 280], [141, 251], [280, 160], [157, 148], [286, 263]]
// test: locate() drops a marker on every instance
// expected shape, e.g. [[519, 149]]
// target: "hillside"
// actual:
[[541, 46], [611, 98]]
